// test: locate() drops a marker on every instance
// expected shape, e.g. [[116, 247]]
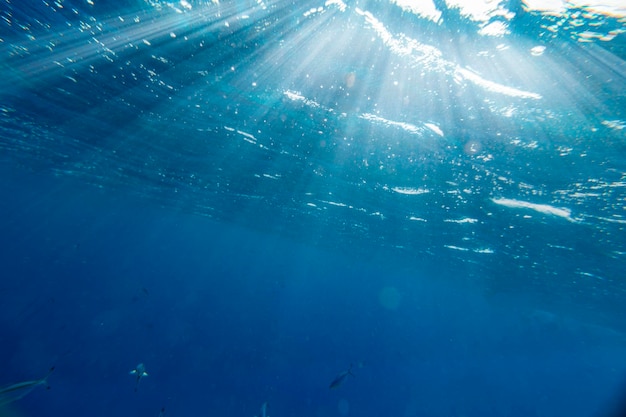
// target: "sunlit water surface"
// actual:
[[482, 145]]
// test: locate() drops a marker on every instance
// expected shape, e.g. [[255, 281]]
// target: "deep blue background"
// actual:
[[225, 318]]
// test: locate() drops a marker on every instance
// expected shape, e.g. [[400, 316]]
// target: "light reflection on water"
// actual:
[[372, 124]]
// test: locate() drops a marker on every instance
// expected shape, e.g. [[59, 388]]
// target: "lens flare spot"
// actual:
[[390, 298]]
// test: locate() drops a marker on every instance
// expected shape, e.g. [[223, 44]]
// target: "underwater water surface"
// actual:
[[312, 208]]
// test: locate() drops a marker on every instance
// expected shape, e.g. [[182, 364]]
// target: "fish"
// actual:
[[19, 390], [340, 378], [140, 371], [264, 410]]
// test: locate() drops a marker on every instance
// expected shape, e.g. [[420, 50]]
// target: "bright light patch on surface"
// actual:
[[480, 11], [295, 96], [611, 220], [461, 221], [537, 50], [247, 137], [615, 8], [336, 204], [477, 250], [410, 191], [425, 8], [338, 3], [313, 11], [484, 10], [495, 87], [497, 28], [615, 124], [420, 55], [408, 127], [553, 6], [456, 248], [540, 208], [434, 128]]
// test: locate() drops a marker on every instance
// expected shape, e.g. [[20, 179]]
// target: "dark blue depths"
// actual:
[[225, 319]]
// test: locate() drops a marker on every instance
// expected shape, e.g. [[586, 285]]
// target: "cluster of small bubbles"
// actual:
[[472, 147]]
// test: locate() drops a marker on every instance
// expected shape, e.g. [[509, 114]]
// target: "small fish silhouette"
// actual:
[[140, 371], [19, 390], [340, 378]]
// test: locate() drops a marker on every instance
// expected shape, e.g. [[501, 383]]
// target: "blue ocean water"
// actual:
[[252, 198]]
